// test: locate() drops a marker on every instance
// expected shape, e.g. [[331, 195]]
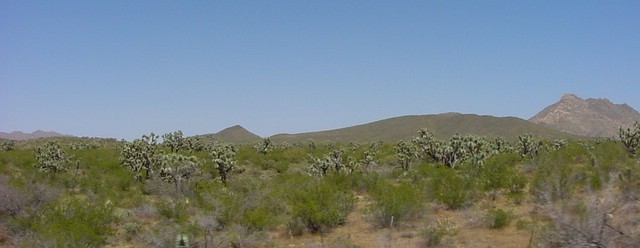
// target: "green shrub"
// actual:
[[76, 223], [498, 218], [397, 203], [451, 189], [320, 205]]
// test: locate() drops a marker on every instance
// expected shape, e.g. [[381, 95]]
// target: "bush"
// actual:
[[498, 218], [320, 205], [451, 189], [435, 233], [76, 223], [399, 203]]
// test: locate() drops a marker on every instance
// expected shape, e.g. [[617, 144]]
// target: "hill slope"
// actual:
[[17, 135], [590, 117], [443, 126], [235, 134]]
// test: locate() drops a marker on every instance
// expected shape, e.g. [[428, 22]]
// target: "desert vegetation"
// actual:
[[175, 191]]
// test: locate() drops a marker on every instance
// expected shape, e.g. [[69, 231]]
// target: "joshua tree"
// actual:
[[630, 137], [174, 141], [51, 158], [477, 149], [319, 166], [429, 146], [528, 145], [264, 146], [140, 156], [176, 168], [7, 145], [224, 160], [406, 152]]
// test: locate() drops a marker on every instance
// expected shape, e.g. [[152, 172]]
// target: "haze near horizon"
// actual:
[[125, 68]]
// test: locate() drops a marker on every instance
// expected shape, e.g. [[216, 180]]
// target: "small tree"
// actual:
[[140, 156], [224, 160], [176, 168], [406, 152], [174, 141], [51, 158]]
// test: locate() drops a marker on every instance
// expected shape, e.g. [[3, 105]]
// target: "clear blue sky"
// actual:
[[125, 68]]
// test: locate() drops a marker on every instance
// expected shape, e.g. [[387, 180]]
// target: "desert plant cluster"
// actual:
[[176, 191]]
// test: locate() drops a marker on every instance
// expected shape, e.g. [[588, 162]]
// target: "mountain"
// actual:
[[235, 134], [17, 135], [442, 125], [590, 117]]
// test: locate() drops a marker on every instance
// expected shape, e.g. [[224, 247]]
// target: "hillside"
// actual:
[[17, 135], [443, 125], [235, 134], [590, 117]]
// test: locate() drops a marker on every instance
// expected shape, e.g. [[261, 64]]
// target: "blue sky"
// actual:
[[125, 68]]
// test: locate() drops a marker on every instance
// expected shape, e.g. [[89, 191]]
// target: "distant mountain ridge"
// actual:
[[442, 125], [235, 134], [17, 135], [590, 117]]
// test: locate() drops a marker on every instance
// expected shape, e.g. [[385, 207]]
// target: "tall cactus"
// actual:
[[174, 141], [51, 158], [528, 145], [224, 160], [406, 152], [264, 146], [176, 168], [140, 156], [630, 137]]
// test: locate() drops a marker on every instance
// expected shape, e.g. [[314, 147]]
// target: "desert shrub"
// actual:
[[437, 232], [394, 203], [175, 210], [320, 205], [498, 218], [451, 189], [76, 223], [558, 172]]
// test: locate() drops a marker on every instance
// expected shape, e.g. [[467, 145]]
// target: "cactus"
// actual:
[[174, 141], [51, 158], [630, 137], [175, 168], [406, 152], [182, 241], [319, 166], [7, 145], [140, 156], [194, 144], [264, 146], [528, 146], [224, 160]]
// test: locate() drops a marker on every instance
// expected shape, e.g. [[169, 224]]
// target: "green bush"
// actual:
[[76, 223], [397, 203], [498, 218], [451, 189], [320, 205]]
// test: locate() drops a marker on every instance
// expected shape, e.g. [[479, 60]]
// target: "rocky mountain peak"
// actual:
[[590, 117]]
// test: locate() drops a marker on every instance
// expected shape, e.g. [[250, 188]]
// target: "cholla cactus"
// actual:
[[406, 152], [319, 166], [7, 145], [528, 146], [558, 144], [51, 158], [182, 241], [224, 160], [476, 149], [140, 156], [176, 168], [630, 137], [264, 146], [174, 141], [429, 145], [500, 145], [194, 144]]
